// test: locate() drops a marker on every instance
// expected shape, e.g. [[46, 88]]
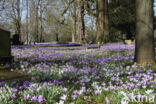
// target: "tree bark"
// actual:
[[18, 20], [102, 24], [27, 26], [80, 22], [144, 50], [36, 22], [41, 23], [74, 23]]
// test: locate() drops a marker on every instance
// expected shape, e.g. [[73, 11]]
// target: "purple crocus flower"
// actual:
[[21, 87], [107, 100], [26, 97], [75, 92], [40, 99], [34, 98], [2, 84], [74, 97], [13, 96], [14, 90]]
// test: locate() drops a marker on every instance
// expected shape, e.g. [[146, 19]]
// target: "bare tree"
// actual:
[[18, 19], [73, 14], [15, 14], [42, 8]]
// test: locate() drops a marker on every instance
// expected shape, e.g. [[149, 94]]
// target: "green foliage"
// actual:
[[5, 95], [51, 94], [122, 17], [65, 38], [41, 75]]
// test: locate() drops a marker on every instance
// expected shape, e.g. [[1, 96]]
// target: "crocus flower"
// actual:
[[74, 97], [13, 96], [65, 89], [14, 90], [26, 97], [21, 87], [107, 100], [34, 98], [2, 84], [75, 92], [40, 99], [63, 97]]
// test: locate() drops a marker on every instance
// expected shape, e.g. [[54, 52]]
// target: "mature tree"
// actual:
[[43, 4], [74, 23], [37, 21], [27, 20], [80, 22], [44, 19], [102, 21], [144, 51], [41, 21], [15, 13], [18, 19], [5, 14], [70, 6], [74, 19]]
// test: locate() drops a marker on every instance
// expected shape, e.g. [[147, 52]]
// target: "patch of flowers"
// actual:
[[31, 93], [84, 76]]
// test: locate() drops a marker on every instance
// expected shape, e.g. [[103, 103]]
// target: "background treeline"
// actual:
[[58, 20]]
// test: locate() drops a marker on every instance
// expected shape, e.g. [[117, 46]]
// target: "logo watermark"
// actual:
[[138, 98]]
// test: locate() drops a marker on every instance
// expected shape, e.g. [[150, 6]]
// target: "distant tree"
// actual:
[[74, 22], [18, 22], [71, 7], [144, 50], [73, 13], [43, 4], [5, 19], [37, 2], [41, 10], [16, 16], [102, 22], [27, 20], [122, 18]]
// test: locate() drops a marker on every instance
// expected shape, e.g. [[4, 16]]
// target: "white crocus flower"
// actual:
[[61, 102], [149, 91], [64, 97], [124, 102]]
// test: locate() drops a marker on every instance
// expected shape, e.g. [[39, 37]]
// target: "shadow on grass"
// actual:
[[6, 75]]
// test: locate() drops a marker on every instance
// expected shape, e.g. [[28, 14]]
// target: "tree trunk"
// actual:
[[41, 24], [36, 23], [74, 23], [41, 29], [18, 20], [102, 21], [80, 22], [144, 51], [27, 26]]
